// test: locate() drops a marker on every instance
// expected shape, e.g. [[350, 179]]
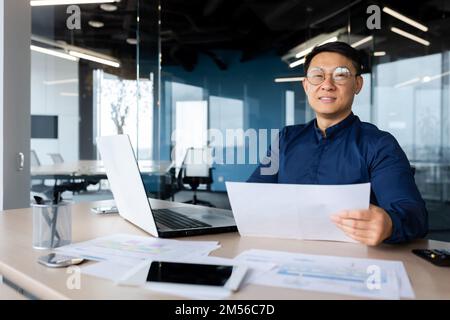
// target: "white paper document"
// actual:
[[380, 279], [210, 292], [190, 291], [105, 270], [202, 292], [130, 250], [294, 211], [137, 276]]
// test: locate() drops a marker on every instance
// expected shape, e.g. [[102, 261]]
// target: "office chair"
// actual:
[[196, 170], [34, 160], [56, 158], [39, 188]]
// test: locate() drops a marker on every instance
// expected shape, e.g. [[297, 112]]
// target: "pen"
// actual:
[[56, 199]]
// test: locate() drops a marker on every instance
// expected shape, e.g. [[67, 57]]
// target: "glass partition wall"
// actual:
[[94, 72], [232, 72], [225, 76]]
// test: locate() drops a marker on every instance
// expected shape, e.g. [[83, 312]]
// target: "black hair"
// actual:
[[339, 47]]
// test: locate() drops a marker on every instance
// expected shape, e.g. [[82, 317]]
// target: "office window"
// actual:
[[408, 104], [188, 115], [226, 114], [290, 107], [125, 107], [362, 102], [191, 127]]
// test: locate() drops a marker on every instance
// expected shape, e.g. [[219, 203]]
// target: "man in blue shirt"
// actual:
[[337, 148]]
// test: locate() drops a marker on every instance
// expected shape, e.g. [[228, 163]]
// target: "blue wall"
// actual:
[[252, 82]]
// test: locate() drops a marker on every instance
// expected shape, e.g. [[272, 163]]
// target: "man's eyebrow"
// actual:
[[333, 68]]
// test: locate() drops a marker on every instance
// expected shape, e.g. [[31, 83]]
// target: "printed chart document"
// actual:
[[294, 211], [130, 250], [380, 279]]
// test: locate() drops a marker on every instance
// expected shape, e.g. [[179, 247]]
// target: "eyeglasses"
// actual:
[[340, 75]]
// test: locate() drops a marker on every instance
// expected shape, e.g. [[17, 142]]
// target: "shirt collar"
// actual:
[[333, 130]]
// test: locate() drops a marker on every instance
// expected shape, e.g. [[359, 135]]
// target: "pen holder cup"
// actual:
[[52, 225]]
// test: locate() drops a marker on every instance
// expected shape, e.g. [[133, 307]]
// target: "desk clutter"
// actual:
[[125, 260]]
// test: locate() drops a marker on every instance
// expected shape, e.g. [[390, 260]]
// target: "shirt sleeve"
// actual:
[[394, 190], [267, 170]]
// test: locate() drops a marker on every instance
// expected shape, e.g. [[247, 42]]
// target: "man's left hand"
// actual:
[[371, 226]]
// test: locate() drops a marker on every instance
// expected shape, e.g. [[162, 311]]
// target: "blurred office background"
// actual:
[[165, 72]]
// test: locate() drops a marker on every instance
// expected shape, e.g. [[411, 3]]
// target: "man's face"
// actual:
[[330, 99]]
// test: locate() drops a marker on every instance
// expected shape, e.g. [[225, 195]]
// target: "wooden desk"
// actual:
[[7, 293], [18, 259]]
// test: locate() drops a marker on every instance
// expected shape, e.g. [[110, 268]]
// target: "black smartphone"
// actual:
[[438, 257], [197, 274]]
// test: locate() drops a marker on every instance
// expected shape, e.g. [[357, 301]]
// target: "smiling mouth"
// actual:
[[327, 99]]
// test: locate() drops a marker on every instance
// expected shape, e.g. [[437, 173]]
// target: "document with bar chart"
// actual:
[[379, 279]]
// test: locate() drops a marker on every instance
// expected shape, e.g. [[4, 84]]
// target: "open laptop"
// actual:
[[129, 193]]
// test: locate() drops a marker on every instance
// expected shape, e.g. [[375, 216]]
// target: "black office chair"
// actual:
[[413, 170], [196, 170], [56, 158], [34, 160], [38, 186]]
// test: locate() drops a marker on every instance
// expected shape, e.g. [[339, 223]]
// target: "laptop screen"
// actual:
[[125, 181]]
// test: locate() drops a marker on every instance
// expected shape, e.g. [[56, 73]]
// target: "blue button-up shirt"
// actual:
[[352, 152]]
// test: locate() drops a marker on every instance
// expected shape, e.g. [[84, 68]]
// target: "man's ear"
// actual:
[[359, 84], [305, 85]]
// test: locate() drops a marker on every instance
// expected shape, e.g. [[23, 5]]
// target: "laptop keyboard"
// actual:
[[175, 220]]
